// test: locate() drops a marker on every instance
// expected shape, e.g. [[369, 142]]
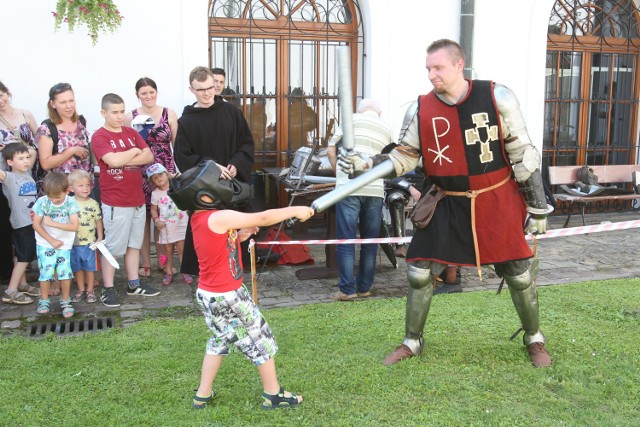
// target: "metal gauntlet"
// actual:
[[533, 191]]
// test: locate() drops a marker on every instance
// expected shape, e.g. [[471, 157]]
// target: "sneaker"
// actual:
[[32, 291], [109, 297], [143, 290], [365, 294], [341, 296]]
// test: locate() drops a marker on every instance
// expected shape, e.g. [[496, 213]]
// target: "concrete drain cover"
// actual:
[[71, 327]]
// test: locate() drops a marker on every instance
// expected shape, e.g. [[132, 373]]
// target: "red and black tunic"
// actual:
[[463, 149]]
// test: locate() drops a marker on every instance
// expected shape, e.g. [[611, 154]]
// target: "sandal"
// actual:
[[67, 308], [275, 401], [43, 306], [32, 291], [16, 297], [91, 297], [54, 292], [187, 279], [167, 280], [144, 272], [201, 402], [79, 296]]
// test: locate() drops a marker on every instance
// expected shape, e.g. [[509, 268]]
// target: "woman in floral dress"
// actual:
[[158, 126]]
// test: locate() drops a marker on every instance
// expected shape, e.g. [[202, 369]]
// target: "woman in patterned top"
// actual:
[[158, 126], [68, 148]]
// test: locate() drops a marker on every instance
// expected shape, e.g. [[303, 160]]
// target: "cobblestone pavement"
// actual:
[[595, 256]]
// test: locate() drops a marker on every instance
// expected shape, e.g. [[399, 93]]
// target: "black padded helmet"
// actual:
[[188, 189]]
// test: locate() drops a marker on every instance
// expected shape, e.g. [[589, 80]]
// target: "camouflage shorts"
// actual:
[[235, 319]]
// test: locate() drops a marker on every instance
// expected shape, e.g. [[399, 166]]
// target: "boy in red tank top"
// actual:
[[228, 308]]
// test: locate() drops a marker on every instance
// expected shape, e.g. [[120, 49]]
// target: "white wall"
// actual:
[[151, 42], [402, 30], [165, 39], [511, 49]]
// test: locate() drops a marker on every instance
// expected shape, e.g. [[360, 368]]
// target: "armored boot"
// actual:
[[417, 308], [525, 299]]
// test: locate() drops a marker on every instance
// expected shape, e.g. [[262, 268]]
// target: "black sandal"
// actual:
[[275, 401], [201, 402]]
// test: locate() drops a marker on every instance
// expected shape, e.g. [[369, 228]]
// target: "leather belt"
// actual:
[[472, 194]]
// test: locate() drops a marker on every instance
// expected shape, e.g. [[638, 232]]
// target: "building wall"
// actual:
[[165, 39]]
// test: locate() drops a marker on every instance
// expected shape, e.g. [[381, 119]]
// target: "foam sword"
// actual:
[[345, 98]]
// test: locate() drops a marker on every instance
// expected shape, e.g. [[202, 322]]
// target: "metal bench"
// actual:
[[607, 174]]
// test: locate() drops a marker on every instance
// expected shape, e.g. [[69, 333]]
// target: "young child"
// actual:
[[120, 151], [84, 261], [227, 307], [20, 190], [170, 221], [55, 222]]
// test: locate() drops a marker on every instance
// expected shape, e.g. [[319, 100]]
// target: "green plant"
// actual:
[[97, 15]]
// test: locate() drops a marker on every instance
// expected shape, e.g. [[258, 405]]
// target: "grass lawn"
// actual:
[[469, 374]]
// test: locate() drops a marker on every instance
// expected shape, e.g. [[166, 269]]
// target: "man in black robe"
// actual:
[[216, 130]]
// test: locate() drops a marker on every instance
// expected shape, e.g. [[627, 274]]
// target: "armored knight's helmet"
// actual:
[[195, 187]]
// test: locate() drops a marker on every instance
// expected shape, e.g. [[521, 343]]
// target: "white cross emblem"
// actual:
[[481, 120]]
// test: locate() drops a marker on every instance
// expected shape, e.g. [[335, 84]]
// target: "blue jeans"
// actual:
[[352, 214]]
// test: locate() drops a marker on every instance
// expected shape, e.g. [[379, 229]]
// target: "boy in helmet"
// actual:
[[227, 307]]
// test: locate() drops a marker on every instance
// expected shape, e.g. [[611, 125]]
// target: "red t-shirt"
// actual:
[[218, 255], [119, 186]]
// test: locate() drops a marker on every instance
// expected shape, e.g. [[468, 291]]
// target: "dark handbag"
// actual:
[[424, 208]]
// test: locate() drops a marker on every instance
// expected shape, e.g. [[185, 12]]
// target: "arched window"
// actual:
[[592, 84], [279, 57]]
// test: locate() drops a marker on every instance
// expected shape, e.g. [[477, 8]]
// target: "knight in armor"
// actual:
[[474, 147]]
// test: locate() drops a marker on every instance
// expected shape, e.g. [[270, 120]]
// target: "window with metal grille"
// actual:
[[592, 84], [279, 57]]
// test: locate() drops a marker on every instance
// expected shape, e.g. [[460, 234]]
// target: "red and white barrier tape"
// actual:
[[562, 232]]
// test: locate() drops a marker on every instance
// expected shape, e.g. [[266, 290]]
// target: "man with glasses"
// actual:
[[211, 129]]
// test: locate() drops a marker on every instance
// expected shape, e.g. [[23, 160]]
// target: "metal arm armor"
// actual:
[[520, 150], [533, 191]]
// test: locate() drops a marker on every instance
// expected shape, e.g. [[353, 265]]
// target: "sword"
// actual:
[[331, 198], [345, 97], [348, 143], [105, 252]]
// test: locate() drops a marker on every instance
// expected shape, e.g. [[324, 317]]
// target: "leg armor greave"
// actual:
[[525, 298], [418, 304]]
